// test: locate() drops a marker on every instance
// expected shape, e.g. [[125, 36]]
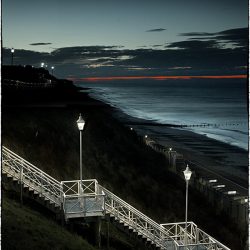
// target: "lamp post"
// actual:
[[169, 156], [52, 70], [80, 124], [187, 174], [12, 56]]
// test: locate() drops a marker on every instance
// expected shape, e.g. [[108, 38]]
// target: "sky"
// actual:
[[105, 38]]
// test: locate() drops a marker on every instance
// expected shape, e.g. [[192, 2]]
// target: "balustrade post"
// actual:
[[62, 200], [80, 194], [197, 235], [21, 184]]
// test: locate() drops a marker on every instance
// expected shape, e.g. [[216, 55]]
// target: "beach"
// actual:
[[223, 159]]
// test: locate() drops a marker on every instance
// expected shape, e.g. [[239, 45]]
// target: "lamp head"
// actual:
[[80, 123], [12, 50], [187, 173], [52, 67]]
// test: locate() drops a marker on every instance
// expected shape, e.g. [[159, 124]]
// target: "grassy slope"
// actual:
[[23, 228]]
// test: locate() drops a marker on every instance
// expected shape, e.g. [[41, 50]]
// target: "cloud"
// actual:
[[235, 37], [38, 44], [157, 45], [194, 45], [195, 55], [195, 34], [156, 30]]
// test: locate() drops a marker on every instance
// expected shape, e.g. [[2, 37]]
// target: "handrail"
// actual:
[[7, 151], [152, 229], [31, 176], [137, 212], [156, 234]]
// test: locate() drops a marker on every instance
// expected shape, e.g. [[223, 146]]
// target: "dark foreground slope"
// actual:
[[45, 133], [24, 228]]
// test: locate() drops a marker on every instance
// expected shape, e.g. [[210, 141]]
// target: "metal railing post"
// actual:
[[21, 184]]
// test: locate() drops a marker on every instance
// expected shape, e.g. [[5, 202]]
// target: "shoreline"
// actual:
[[218, 132], [227, 160]]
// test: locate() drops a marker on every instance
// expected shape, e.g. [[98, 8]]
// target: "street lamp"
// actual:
[[52, 69], [187, 174], [80, 123], [12, 56], [42, 64], [169, 156]]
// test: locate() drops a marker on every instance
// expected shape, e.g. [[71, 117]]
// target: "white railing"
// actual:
[[137, 221], [166, 236], [194, 237], [31, 176], [82, 199]]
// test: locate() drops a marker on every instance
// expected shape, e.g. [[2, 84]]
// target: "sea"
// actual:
[[220, 103]]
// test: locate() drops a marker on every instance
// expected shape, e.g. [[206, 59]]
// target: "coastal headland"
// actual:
[[39, 123]]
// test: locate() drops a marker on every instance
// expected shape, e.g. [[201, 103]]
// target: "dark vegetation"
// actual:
[[24, 228], [48, 137]]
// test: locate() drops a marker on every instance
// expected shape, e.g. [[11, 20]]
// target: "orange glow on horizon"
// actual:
[[113, 78]]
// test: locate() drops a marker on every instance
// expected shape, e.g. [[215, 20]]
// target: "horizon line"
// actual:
[[113, 78]]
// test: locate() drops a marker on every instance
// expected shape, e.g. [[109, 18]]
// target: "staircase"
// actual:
[[77, 199]]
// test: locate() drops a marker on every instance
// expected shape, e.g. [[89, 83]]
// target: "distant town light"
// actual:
[[12, 56], [170, 149], [131, 129], [146, 136], [42, 64], [52, 70]]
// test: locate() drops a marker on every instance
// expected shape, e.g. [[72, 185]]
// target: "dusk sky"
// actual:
[[100, 38]]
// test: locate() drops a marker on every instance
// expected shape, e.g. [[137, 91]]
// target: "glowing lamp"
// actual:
[[187, 173], [80, 123]]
